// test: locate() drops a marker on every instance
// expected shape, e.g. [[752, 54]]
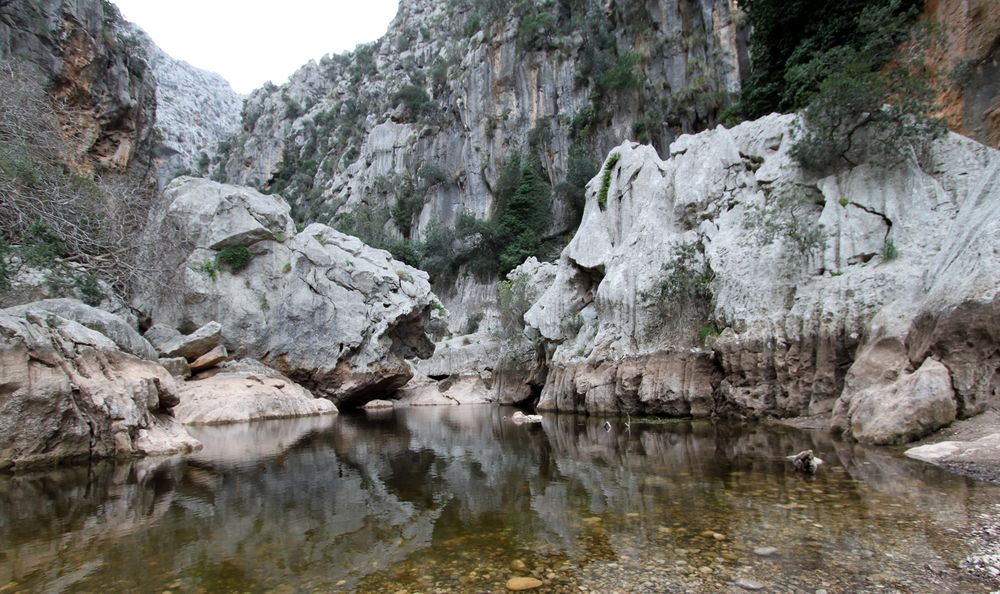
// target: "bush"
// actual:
[[790, 35], [208, 268], [515, 296], [889, 251], [685, 282], [415, 101], [571, 325], [602, 195], [791, 216], [535, 30], [235, 257]]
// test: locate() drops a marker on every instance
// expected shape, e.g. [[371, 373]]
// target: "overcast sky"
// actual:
[[250, 42]]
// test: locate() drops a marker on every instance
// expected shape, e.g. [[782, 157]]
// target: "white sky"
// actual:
[[250, 42]]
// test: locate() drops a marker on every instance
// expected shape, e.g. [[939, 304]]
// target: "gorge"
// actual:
[[625, 217]]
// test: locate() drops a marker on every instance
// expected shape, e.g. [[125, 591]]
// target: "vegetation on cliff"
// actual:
[[856, 71], [75, 226]]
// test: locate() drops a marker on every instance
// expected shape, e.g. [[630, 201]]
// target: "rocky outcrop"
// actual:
[[319, 306], [782, 275], [951, 316], [491, 361], [69, 393], [466, 389], [239, 396], [909, 407], [454, 89], [170, 343], [110, 325], [97, 68]]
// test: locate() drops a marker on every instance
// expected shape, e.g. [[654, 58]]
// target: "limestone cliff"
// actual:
[[195, 111], [431, 111], [124, 103], [783, 273], [966, 66], [97, 68]]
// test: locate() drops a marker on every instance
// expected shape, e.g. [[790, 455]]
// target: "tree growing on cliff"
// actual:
[[872, 103]]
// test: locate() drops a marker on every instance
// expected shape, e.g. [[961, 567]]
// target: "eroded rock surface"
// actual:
[[766, 325], [68, 393], [321, 307], [125, 337], [239, 396]]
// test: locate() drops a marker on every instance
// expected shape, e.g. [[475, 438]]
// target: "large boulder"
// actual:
[[750, 284], [110, 325], [69, 393], [910, 406], [170, 343], [319, 306], [238, 396]]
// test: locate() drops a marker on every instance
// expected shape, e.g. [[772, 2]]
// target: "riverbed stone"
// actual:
[[886, 410], [518, 584], [210, 359], [177, 366]]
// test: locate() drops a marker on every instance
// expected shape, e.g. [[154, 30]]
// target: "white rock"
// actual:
[[320, 306]]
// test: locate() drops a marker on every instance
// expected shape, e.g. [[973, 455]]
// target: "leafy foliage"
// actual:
[[791, 216], [609, 167], [415, 101], [854, 66], [792, 38], [686, 281], [235, 258]]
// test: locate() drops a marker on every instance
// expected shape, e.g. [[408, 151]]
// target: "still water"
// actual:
[[460, 499]]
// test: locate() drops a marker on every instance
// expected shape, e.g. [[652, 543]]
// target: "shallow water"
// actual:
[[459, 499]]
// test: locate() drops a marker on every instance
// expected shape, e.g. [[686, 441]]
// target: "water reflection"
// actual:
[[461, 499]]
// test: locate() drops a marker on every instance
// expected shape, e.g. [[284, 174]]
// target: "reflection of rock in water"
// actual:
[[360, 499], [242, 442]]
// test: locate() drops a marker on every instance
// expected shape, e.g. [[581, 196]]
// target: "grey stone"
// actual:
[[210, 359], [235, 397], [177, 366], [86, 399], [108, 324], [193, 345], [321, 307]]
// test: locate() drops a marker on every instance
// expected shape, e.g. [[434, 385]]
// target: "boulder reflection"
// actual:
[[357, 501]]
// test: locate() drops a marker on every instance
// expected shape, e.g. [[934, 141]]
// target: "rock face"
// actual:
[[446, 392], [716, 238], [97, 67], [196, 110], [455, 88], [490, 362], [68, 393], [969, 59], [319, 306]]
